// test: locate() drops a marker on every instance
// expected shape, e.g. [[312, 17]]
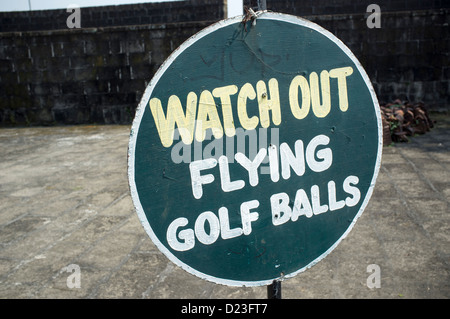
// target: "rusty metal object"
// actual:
[[403, 119]]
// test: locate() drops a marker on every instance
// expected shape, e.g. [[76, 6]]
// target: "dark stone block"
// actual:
[[99, 75]]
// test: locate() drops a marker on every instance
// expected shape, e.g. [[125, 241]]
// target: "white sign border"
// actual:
[[143, 103]]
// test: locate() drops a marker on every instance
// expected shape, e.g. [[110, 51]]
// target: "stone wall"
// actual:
[[87, 75], [107, 16], [407, 58], [327, 7], [98, 74]]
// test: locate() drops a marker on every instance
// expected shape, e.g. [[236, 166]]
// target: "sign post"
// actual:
[[254, 150], [274, 290]]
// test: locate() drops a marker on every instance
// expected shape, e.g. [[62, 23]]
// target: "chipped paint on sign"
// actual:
[[214, 195]]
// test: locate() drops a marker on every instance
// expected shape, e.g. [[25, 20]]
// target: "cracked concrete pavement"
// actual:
[[64, 200]]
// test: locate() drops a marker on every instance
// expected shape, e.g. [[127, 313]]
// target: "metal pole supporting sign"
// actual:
[[274, 289]]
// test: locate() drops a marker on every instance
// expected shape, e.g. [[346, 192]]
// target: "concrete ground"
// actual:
[[64, 200]]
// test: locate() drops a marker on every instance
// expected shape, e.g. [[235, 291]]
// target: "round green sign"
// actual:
[[254, 149]]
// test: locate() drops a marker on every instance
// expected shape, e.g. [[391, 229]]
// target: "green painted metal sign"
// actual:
[[254, 149]]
